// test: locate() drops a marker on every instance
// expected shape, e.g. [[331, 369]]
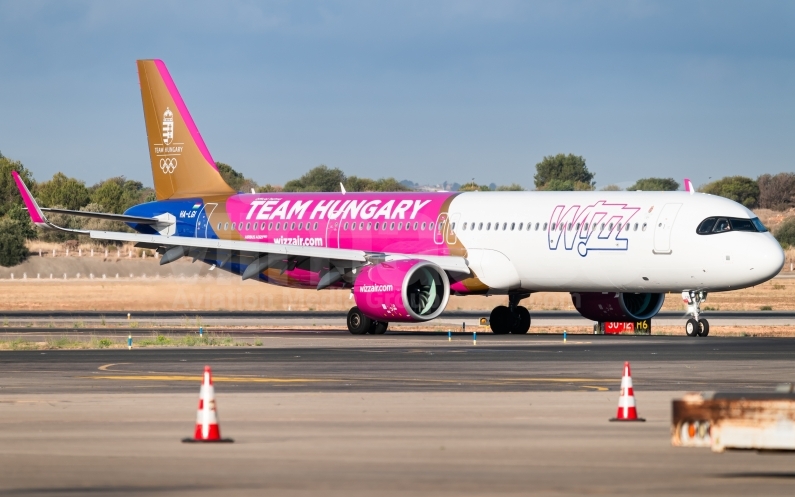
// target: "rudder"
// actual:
[[181, 164]]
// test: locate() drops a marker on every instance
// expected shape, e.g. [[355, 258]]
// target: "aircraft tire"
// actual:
[[703, 327], [378, 327], [522, 326], [358, 323], [692, 328], [501, 320]]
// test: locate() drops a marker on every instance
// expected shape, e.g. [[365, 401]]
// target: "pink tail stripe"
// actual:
[[35, 213], [183, 111]]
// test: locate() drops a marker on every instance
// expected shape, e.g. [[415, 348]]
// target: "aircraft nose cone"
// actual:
[[769, 259]]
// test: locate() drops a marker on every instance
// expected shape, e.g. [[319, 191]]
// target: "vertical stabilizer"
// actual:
[[181, 164]]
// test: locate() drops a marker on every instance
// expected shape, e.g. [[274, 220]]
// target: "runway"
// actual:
[[231, 319], [336, 414]]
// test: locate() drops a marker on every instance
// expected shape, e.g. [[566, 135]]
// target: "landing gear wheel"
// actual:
[[692, 327], [378, 327], [523, 324], [358, 323], [703, 325], [501, 320]]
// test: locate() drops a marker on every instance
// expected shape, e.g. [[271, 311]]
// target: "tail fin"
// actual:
[[181, 164]]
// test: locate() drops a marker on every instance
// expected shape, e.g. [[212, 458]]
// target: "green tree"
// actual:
[[655, 185], [473, 187], [356, 184], [12, 243], [62, 190], [777, 192], [118, 194], [318, 179], [738, 188], [9, 194], [269, 188], [20, 214], [513, 187], [563, 168], [611, 188], [236, 180], [785, 233]]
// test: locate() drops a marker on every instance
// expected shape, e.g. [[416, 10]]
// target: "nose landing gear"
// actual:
[[511, 319], [695, 326]]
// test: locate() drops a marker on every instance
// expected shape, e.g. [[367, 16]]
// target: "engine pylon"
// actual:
[[627, 411]]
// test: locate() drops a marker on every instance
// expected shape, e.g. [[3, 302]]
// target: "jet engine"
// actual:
[[406, 290], [620, 307]]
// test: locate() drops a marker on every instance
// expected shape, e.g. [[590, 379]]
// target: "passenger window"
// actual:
[[644, 227], [480, 226], [226, 226], [585, 227], [255, 226], [504, 226], [423, 226], [219, 226], [248, 226], [377, 225], [392, 226], [521, 225], [464, 227], [270, 226], [545, 226], [292, 226], [635, 228], [233, 225], [603, 227], [416, 224], [278, 226], [369, 226], [512, 226], [552, 227], [537, 224], [430, 226], [400, 226], [361, 225], [345, 226], [315, 226], [569, 226], [300, 226]]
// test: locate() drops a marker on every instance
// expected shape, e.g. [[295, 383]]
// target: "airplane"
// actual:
[[402, 255]]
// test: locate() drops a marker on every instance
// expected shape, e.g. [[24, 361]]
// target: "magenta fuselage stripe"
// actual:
[[335, 215], [35, 215], [183, 111]]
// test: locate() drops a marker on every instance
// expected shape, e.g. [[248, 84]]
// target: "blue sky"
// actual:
[[421, 90]]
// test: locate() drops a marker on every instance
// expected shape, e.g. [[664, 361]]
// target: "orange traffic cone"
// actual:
[[626, 402], [207, 429]]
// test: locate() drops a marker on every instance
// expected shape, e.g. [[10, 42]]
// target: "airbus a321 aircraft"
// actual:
[[403, 254]]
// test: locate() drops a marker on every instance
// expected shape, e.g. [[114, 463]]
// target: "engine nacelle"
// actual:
[[406, 290], [618, 307]]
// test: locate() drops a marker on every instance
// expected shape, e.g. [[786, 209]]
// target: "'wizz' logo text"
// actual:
[[593, 227]]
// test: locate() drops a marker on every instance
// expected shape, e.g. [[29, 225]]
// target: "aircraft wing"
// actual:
[[255, 255]]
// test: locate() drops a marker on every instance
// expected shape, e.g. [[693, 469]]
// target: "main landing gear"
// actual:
[[695, 326], [359, 324], [510, 319]]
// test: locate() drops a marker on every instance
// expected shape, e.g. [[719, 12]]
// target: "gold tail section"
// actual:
[[181, 164]]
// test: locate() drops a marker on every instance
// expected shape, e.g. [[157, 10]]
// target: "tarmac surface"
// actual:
[[227, 319], [336, 414]]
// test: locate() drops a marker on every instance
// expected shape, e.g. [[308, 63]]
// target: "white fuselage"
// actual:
[[659, 251]]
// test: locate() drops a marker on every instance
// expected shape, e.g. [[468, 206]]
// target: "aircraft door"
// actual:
[[441, 226], [333, 228], [662, 231], [203, 220]]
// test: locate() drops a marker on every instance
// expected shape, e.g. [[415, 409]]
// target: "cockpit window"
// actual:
[[712, 225]]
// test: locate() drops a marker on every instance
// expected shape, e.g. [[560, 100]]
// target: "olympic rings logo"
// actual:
[[168, 165]]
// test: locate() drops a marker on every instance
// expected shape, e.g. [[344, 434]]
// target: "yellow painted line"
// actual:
[[106, 366], [598, 389], [198, 379]]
